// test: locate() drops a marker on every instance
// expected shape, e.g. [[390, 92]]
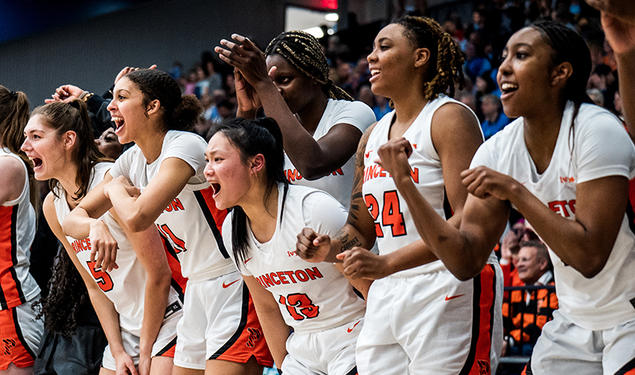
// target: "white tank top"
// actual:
[[394, 225], [17, 230], [124, 286], [338, 183], [601, 148], [311, 296]]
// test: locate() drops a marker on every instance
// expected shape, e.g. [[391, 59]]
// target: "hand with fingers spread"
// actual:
[[484, 182], [103, 246], [313, 247], [393, 157], [243, 54], [65, 93], [129, 69], [359, 263]]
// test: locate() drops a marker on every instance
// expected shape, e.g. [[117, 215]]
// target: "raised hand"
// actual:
[[483, 182], [393, 157], [243, 54]]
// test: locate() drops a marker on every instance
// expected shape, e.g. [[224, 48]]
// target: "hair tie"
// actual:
[[14, 94]]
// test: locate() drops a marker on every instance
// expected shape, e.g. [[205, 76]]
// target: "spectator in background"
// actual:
[[366, 96], [213, 78], [529, 309], [381, 107], [493, 117]]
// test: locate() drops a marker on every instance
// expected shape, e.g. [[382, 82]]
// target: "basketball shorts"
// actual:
[[219, 322], [20, 335], [566, 348], [331, 351], [163, 346], [432, 323]]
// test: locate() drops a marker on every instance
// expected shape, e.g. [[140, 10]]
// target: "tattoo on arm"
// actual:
[[347, 241]]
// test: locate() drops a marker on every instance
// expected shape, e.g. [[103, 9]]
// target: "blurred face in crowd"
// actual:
[[108, 144], [530, 265], [489, 107]]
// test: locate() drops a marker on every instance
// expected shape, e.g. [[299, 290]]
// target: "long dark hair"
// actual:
[[73, 116], [67, 296], [252, 137], [567, 45], [14, 114], [179, 112]]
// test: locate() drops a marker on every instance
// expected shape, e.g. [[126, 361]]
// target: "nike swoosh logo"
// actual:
[[367, 154], [247, 260], [453, 297], [349, 330], [229, 284]]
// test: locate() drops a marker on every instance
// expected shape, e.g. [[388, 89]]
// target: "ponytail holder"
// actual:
[[75, 104], [14, 94]]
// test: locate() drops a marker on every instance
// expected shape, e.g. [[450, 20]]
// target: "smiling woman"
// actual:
[[167, 164], [564, 165]]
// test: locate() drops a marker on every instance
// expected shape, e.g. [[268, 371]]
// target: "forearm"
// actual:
[[108, 318], [443, 238], [155, 301], [128, 209], [347, 238], [410, 256], [303, 150], [571, 240], [626, 72], [77, 223]]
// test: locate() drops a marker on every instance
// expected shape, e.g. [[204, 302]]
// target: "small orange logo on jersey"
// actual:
[[225, 286], [247, 260], [564, 180], [367, 154], [453, 297], [349, 330]]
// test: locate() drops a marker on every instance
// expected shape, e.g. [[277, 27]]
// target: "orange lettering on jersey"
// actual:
[[564, 180], [291, 253], [338, 172], [81, 245], [414, 173], [175, 205], [292, 175], [289, 277], [562, 207]]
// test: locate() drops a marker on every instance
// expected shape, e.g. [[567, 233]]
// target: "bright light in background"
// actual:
[[330, 31], [332, 17], [315, 31]]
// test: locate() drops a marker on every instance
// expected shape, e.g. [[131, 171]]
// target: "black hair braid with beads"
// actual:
[[446, 59], [305, 53], [567, 45]]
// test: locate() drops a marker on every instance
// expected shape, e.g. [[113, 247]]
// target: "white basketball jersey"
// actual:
[[601, 148], [394, 226], [338, 183], [124, 286], [17, 230], [311, 296], [191, 222]]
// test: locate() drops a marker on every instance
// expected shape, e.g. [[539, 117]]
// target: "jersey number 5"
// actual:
[[390, 214], [101, 277], [299, 306]]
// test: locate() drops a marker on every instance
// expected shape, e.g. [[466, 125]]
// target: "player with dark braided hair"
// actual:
[[320, 123], [416, 301], [564, 164]]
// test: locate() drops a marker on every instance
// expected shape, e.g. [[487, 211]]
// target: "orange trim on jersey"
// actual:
[[627, 369], [248, 340], [213, 215], [168, 351], [11, 294], [13, 347], [478, 361], [178, 281]]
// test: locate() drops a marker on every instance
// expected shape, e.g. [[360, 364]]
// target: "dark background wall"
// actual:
[[90, 53]]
